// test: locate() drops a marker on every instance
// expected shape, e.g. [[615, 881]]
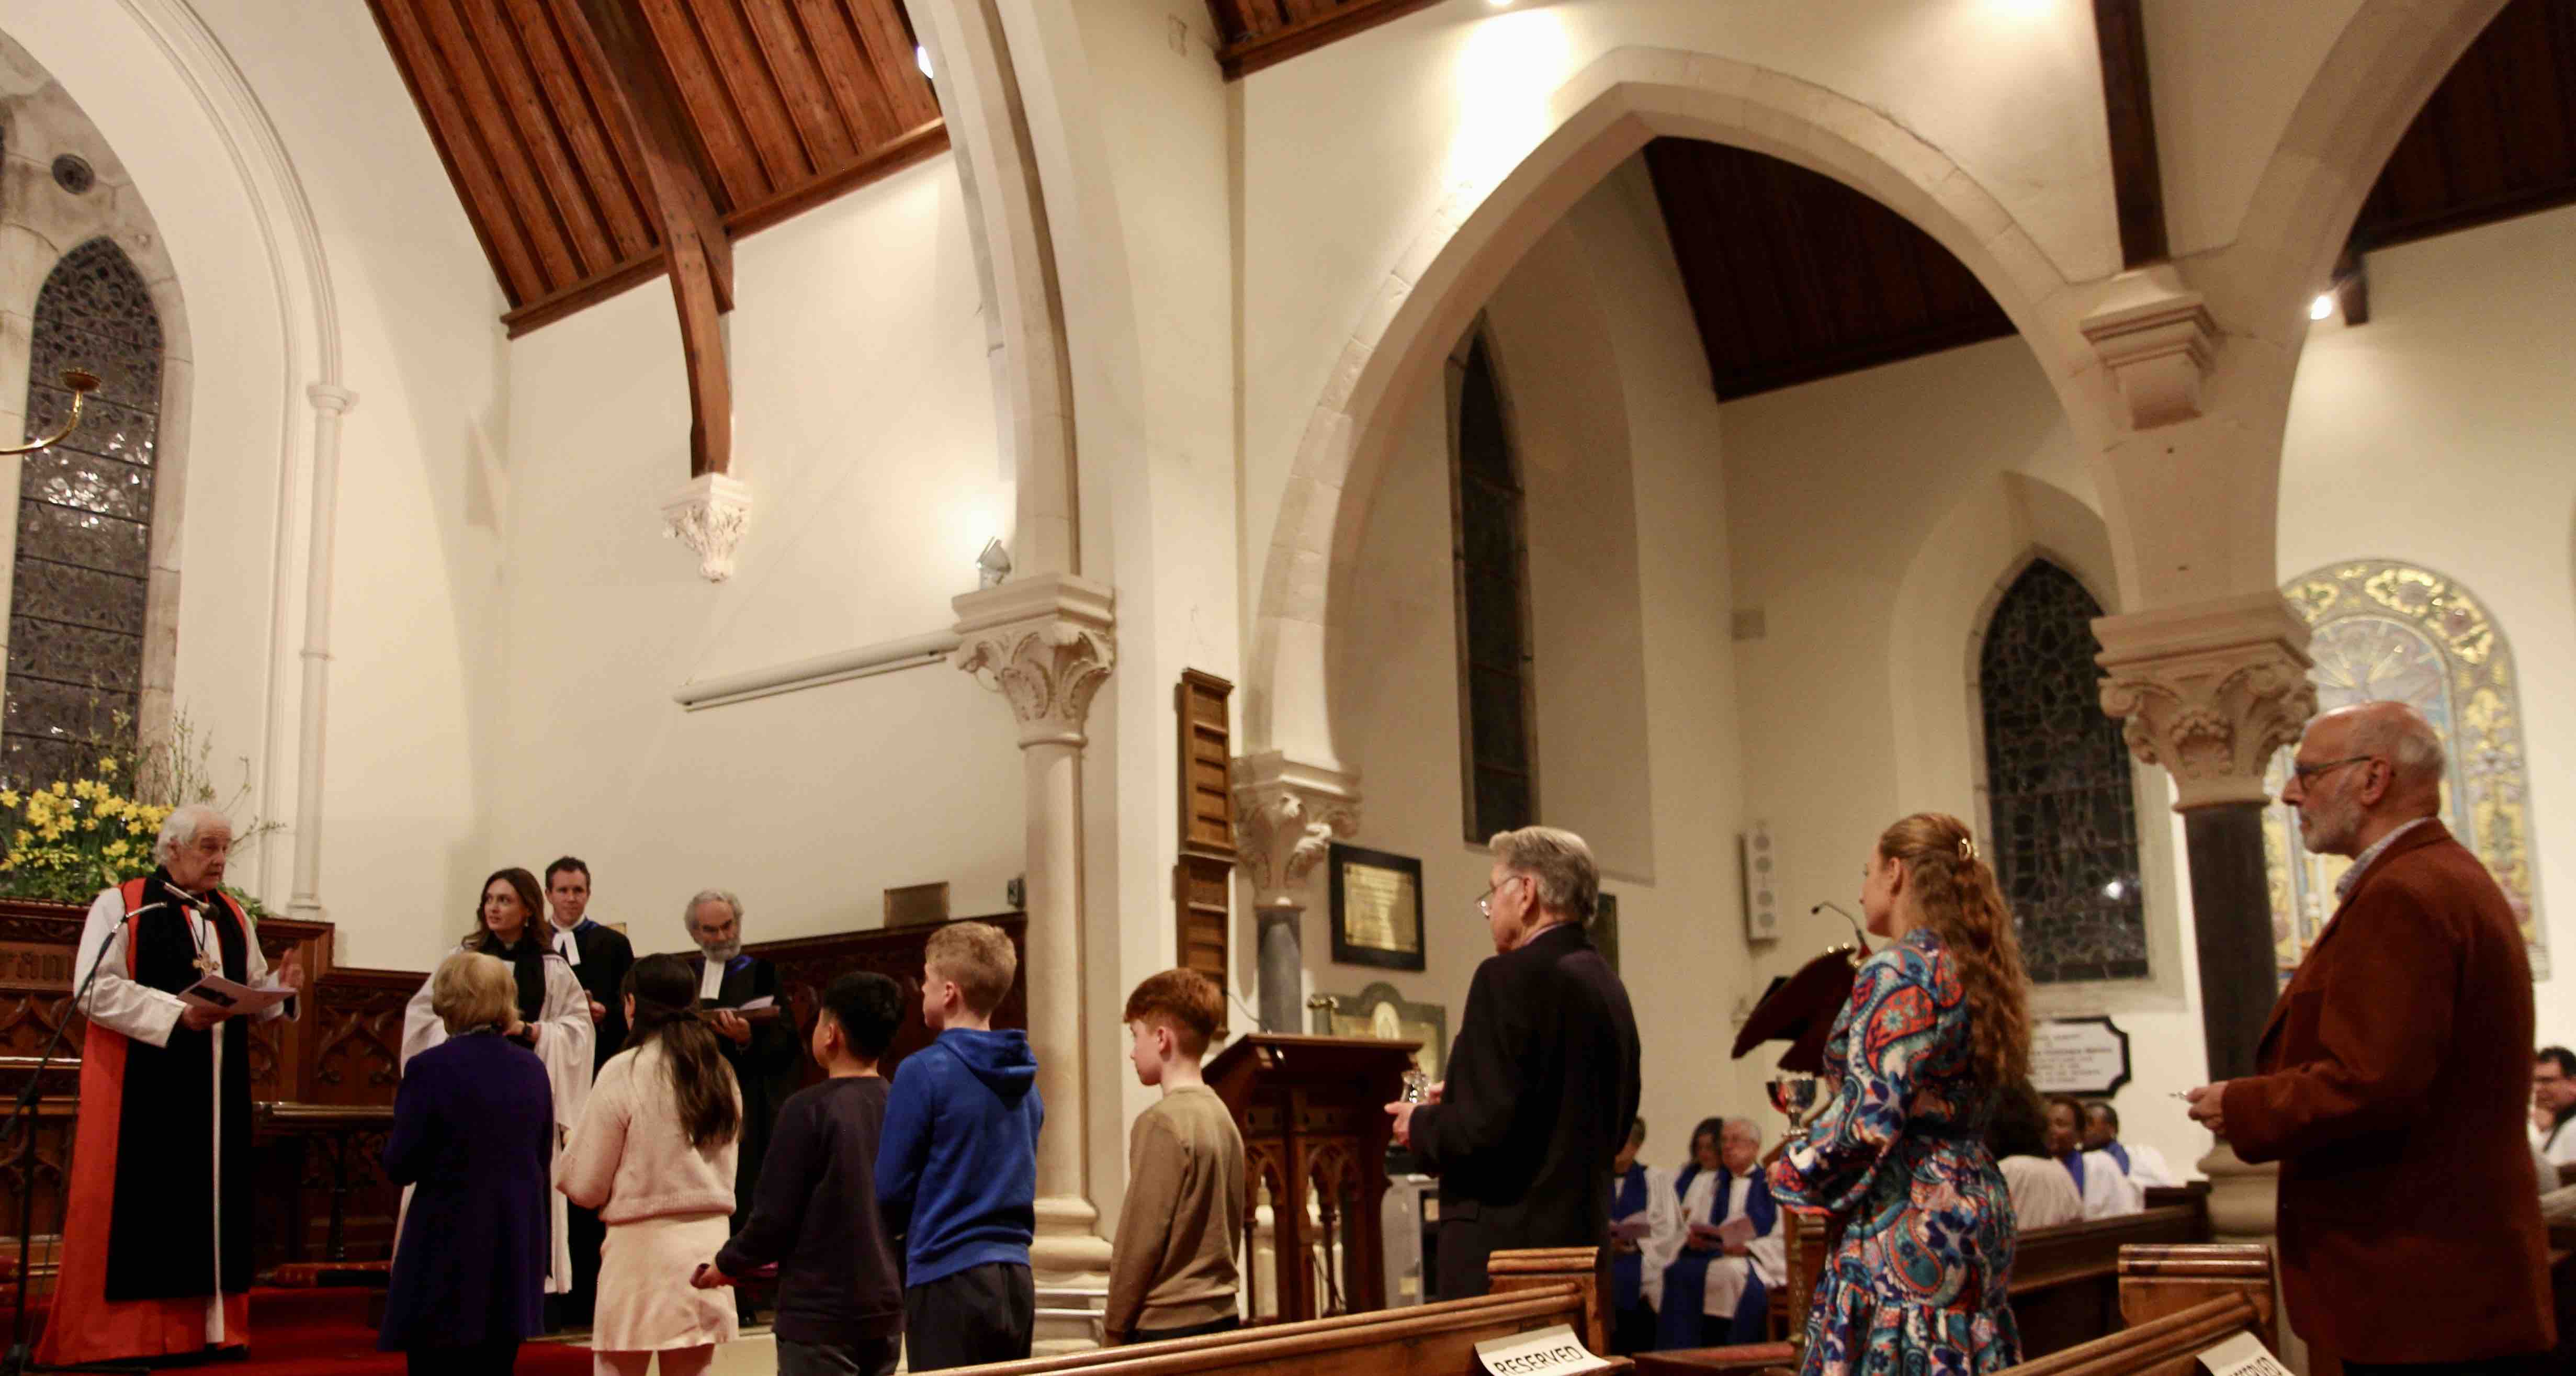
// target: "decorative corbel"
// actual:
[[2159, 341]]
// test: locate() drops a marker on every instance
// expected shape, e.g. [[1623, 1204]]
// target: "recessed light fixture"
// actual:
[[2323, 307], [921, 58], [1500, 4]]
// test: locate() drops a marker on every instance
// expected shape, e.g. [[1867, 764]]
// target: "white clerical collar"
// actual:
[[565, 946]]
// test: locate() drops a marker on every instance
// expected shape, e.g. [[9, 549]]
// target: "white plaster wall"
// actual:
[[2440, 434], [1608, 392], [1346, 154], [419, 346], [2226, 78], [864, 423]]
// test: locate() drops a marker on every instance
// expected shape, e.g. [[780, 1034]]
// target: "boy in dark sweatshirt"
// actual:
[[815, 1217], [957, 1173]]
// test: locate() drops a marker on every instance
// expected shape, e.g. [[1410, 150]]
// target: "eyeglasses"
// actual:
[[1485, 900], [2309, 773]]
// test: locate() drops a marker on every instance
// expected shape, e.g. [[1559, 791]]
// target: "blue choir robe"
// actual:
[[1689, 1286]]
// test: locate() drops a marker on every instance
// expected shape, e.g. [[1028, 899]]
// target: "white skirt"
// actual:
[[646, 1303]]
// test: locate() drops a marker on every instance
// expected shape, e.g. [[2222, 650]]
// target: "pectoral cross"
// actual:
[[208, 963]]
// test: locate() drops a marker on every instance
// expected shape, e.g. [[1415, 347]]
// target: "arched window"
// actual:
[[2392, 631], [1492, 556], [77, 595], [2063, 821]]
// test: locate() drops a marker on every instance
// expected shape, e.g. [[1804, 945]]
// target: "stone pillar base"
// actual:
[[1070, 1263]]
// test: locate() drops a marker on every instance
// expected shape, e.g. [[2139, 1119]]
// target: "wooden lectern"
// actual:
[[1312, 1111]]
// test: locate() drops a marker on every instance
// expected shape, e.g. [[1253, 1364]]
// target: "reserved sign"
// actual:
[[1546, 1352]]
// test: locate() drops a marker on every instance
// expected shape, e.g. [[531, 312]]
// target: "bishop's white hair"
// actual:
[[182, 827], [1747, 1124]]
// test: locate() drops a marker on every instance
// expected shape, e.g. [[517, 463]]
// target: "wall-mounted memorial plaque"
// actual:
[[2087, 1056], [1382, 1012], [1377, 909]]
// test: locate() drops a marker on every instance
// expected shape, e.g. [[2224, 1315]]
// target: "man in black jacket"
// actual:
[[599, 955], [1543, 1077]]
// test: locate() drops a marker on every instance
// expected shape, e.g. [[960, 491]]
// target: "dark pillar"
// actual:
[[2231, 901]]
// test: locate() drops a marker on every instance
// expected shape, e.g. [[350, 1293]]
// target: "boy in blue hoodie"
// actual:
[[957, 1169]]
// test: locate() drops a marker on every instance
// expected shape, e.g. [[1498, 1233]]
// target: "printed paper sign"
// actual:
[[2242, 1355], [1547, 1352]]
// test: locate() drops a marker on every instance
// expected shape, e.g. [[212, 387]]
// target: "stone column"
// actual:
[[1045, 644], [1291, 813], [330, 403], [2212, 692]]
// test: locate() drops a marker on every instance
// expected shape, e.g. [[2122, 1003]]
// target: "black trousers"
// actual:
[[496, 1357], [1192, 1330], [981, 1314]]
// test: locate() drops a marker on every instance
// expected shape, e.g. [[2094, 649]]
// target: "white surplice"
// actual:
[[148, 1015], [563, 1042], [1765, 1256], [2108, 1190]]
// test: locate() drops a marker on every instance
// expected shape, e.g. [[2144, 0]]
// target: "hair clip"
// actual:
[[1967, 849]]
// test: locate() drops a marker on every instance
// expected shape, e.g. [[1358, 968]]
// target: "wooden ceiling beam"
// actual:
[[696, 251], [2137, 177]]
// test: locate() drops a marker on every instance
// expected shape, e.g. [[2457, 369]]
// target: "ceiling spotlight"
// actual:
[[2323, 307], [1500, 4], [921, 58]]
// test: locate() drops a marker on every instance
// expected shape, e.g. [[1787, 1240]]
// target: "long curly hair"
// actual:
[[1954, 890]]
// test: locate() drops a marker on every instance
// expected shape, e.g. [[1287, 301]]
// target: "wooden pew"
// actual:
[[1533, 1290], [2175, 1301]]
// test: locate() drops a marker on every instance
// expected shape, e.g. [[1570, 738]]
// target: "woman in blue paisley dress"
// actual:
[[1938, 1023]]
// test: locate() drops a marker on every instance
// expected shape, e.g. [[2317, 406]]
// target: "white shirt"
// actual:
[[2043, 1194]]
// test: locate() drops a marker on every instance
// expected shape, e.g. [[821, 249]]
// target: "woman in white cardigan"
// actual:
[[654, 1154], [553, 1011]]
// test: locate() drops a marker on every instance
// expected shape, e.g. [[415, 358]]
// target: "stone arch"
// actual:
[[2372, 84], [1598, 118]]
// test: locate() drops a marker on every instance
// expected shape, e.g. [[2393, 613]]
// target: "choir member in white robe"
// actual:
[[1645, 1222], [2107, 1190], [156, 1256], [2553, 1101], [2144, 1165], [553, 1008], [1705, 1291]]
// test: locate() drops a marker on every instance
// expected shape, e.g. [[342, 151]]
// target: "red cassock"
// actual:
[[155, 1212], [2395, 1079]]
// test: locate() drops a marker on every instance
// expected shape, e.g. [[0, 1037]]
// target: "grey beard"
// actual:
[[722, 952]]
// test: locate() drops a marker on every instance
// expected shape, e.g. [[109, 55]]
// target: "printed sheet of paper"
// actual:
[[1547, 1352], [225, 996], [2242, 1355]]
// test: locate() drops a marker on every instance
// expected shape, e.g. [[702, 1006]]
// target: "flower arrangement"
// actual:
[[74, 837], [66, 839]]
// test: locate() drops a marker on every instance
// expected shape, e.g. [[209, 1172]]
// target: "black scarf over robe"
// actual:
[[161, 1241], [527, 960]]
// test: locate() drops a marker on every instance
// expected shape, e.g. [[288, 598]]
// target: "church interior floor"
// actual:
[[324, 1332]]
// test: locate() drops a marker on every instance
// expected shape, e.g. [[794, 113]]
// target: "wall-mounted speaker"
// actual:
[[1761, 883]]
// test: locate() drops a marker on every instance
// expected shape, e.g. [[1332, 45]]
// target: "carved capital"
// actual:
[[2159, 341], [1291, 812], [1046, 644], [2209, 691], [708, 516]]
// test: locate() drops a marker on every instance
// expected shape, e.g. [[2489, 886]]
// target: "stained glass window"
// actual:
[[2386, 631], [2064, 830], [1493, 607], [76, 605]]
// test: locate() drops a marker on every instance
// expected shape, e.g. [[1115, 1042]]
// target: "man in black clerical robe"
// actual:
[[759, 1042], [600, 956], [156, 1256]]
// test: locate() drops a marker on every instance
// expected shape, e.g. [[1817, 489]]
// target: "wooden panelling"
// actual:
[[1203, 880], [2497, 139], [785, 103], [1794, 276], [1253, 34], [806, 964]]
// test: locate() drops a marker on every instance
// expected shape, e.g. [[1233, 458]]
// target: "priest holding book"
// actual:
[[740, 994], [156, 1259]]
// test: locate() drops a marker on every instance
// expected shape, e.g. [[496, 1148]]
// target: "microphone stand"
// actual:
[[22, 1120]]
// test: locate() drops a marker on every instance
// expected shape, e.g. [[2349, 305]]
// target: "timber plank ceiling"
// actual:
[[785, 104], [1794, 276], [2497, 139]]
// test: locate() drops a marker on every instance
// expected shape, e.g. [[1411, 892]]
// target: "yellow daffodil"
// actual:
[[61, 789], [118, 850], [107, 767], [8, 797]]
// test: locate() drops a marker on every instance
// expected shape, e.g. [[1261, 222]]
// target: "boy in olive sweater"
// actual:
[[1172, 1270]]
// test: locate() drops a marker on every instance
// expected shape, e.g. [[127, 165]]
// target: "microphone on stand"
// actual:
[[1858, 937]]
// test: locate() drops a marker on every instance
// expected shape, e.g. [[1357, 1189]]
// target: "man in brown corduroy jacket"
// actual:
[[2395, 1076]]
